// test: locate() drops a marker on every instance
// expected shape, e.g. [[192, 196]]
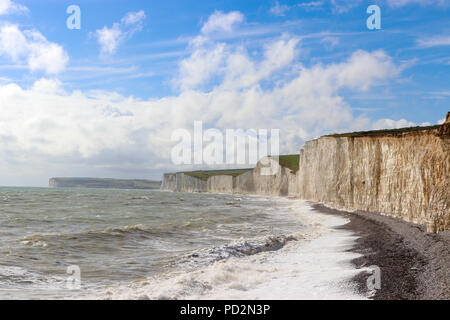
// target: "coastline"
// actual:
[[414, 264], [316, 265]]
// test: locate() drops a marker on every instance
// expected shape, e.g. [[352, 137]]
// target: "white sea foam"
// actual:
[[21, 283], [316, 267]]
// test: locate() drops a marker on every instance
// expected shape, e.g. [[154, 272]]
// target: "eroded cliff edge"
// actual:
[[403, 173]]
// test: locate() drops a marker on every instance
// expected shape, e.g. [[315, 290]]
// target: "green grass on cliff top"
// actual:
[[288, 161], [205, 174], [384, 132]]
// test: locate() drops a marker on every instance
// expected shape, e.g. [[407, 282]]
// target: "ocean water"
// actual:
[[137, 244]]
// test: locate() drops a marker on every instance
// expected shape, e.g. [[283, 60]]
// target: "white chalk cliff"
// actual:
[[402, 173]]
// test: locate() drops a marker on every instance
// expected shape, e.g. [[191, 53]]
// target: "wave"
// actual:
[[277, 268], [129, 231], [43, 240], [244, 248], [20, 278]]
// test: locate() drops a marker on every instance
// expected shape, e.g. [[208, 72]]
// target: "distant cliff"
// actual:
[[245, 181], [404, 173], [103, 183]]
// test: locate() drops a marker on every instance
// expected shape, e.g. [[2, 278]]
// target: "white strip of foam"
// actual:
[[318, 267]]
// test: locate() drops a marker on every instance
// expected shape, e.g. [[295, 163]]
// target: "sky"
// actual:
[[105, 99]]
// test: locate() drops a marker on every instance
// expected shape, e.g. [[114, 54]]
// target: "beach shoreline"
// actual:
[[414, 264]]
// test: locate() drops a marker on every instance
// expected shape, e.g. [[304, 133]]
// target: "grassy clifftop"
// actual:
[[205, 174], [290, 161], [287, 161], [384, 132]]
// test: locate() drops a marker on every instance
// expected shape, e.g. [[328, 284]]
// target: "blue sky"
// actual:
[[103, 100]]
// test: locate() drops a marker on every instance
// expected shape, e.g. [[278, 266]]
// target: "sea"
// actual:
[[151, 244]]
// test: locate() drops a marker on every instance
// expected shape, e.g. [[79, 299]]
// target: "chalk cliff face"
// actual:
[[405, 174], [282, 183], [181, 182]]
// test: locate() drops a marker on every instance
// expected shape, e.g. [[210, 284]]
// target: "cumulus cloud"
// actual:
[[222, 85], [200, 66], [220, 21], [109, 39], [232, 66], [46, 121], [32, 48], [9, 7]]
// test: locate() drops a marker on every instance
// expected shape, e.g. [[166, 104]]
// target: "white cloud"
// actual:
[[220, 21], [13, 42], [366, 69], [330, 42], [341, 6], [396, 124], [279, 10], [200, 66], [47, 86], [434, 41], [232, 66], [5, 79], [109, 39], [401, 3], [32, 48], [47, 122], [9, 7], [392, 124], [224, 85], [134, 18]]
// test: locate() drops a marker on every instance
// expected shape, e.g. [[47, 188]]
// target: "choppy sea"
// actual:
[[138, 244]]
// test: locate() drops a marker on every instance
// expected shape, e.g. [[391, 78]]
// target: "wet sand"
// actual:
[[415, 265]]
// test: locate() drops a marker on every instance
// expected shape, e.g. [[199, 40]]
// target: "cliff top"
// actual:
[[290, 161], [205, 174], [385, 132]]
